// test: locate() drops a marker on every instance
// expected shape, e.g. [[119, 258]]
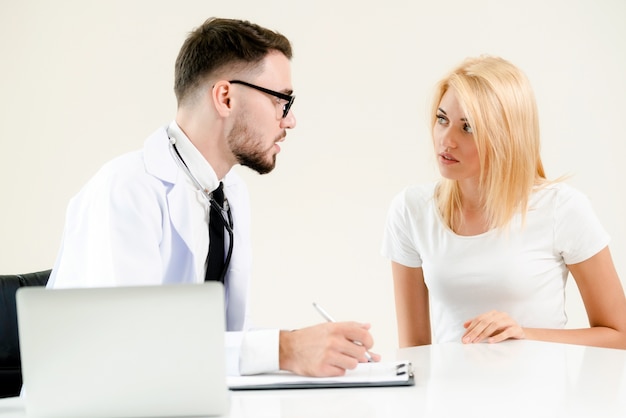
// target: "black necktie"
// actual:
[[215, 260]]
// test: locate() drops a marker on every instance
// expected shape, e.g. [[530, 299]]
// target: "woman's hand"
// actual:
[[494, 326]]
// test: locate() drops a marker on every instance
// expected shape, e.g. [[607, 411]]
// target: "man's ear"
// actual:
[[221, 98]]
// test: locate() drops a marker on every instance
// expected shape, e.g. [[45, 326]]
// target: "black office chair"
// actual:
[[10, 364]]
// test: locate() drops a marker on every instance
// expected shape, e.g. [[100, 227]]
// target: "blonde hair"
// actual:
[[500, 106]]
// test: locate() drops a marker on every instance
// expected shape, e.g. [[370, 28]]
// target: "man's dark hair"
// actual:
[[221, 42]]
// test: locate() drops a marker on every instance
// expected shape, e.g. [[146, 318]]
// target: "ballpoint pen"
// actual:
[[330, 319]]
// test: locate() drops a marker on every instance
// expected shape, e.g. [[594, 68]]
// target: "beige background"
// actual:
[[84, 81]]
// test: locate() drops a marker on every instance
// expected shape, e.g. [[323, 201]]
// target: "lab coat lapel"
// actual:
[[160, 163], [178, 202]]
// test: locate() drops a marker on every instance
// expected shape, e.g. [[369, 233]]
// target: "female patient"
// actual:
[[484, 254]]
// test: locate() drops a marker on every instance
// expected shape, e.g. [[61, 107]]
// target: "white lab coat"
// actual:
[[131, 225]]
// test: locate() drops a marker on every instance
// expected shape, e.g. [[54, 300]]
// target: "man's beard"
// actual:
[[248, 151]]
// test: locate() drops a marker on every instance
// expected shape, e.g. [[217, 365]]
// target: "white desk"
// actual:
[[511, 379]]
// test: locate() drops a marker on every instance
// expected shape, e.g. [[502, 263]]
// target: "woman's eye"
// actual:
[[468, 129], [441, 119]]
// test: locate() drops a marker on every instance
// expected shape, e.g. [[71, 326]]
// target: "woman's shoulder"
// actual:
[[418, 193], [559, 193], [414, 198]]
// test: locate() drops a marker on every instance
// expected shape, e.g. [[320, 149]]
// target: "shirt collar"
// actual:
[[195, 161]]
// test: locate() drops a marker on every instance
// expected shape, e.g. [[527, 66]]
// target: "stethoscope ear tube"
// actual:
[[228, 223]]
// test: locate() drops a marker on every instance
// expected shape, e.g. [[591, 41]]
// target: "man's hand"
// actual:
[[494, 326], [327, 349]]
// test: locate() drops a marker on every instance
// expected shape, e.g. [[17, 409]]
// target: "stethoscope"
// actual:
[[227, 221]]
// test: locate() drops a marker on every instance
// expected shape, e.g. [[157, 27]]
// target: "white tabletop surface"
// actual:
[[511, 379]]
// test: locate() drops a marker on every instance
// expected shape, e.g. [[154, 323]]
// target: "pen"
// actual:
[[330, 319]]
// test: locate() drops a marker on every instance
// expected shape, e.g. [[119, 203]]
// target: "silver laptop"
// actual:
[[152, 351]]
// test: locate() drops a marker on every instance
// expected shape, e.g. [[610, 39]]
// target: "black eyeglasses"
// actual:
[[280, 95]]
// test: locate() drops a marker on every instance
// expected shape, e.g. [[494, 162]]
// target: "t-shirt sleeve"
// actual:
[[398, 244], [579, 235]]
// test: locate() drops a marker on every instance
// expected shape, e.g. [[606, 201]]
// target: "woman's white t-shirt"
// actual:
[[520, 270]]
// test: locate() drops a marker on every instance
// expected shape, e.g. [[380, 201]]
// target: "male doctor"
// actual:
[[143, 218]]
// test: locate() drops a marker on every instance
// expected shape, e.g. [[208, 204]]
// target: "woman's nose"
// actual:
[[446, 139]]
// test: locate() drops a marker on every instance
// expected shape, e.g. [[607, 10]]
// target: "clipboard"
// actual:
[[380, 374]]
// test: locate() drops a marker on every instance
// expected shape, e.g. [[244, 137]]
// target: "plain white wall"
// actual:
[[81, 82]]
